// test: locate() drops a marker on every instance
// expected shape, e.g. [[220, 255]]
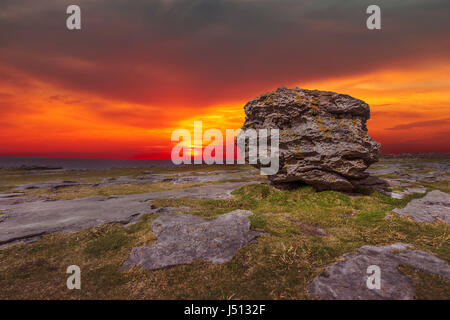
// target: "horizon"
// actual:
[[192, 157], [135, 72]]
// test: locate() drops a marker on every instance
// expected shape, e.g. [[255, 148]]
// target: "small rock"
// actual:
[[397, 194], [416, 190], [434, 206], [346, 279], [397, 183]]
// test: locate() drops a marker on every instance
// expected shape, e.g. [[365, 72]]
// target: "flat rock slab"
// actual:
[[434, 206], [25, 220], [405, 173], [47, 184], [12, 201], [397, 194], [346, 279], [185, 238], [10, 195], [416, 190], [204, 178], [173, 178]]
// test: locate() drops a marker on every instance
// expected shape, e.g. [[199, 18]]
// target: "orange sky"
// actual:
[[63, 98], [409, 110]]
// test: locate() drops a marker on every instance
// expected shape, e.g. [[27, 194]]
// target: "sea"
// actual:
[[81, 164]]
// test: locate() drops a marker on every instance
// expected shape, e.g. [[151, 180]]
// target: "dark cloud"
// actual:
[[395, 114], [422, 124], [198, 52], [434, 145]]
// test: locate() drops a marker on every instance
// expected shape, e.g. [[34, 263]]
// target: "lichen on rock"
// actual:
[[346, 279], [323, 136]]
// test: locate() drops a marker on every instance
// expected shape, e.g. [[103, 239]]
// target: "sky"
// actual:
[[138, 70]]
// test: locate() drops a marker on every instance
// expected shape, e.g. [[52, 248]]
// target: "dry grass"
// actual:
[[428, 286]]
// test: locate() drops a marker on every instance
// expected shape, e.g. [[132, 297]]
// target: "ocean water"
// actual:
[[80, 164]]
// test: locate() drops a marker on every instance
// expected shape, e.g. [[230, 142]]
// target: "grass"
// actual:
[[108, 242], [443, 186], [4, 189], [279, 265], [428, 286]]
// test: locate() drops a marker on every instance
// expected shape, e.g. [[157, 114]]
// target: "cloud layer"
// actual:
[[139, 65]]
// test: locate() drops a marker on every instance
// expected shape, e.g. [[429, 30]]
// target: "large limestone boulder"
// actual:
[[323, 136]]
